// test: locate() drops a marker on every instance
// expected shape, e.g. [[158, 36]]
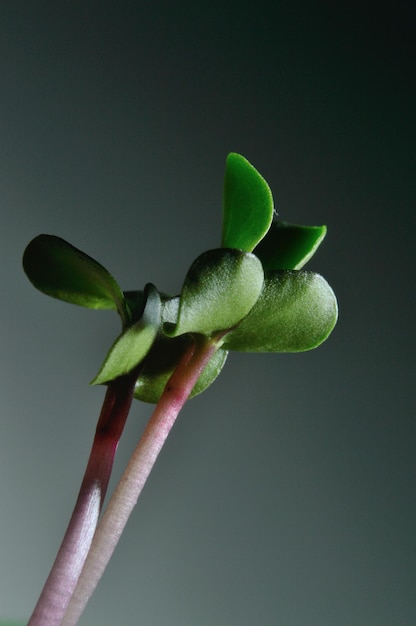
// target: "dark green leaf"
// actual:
[[247, 205], [220, 288], [131, 347], [289, 247], [161, 362], [60, 270], [295, 312]]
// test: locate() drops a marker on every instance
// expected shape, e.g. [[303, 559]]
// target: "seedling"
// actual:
[[248, 295]]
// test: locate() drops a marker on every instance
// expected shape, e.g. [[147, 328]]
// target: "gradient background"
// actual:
[[286, 493]]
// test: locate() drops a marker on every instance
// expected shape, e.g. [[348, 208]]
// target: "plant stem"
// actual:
[[76, 543], [126, 494]]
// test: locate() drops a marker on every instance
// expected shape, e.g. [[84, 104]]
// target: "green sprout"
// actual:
[[251, 295]]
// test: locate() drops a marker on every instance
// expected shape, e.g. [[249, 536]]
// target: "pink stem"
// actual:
[[138, 469], [76, 543]]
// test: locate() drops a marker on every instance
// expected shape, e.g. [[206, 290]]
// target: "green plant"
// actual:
[[248, 295]]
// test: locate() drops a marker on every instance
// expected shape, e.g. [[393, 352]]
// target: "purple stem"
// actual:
[[125, 496], [76, 543]]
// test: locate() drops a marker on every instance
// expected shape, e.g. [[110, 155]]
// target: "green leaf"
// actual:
[[247, 205], [295, 312], [161, 362], [60, 270], [131, 347], [219, 290], [289, 247]]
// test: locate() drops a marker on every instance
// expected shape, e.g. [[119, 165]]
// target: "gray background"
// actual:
[[285, 494]]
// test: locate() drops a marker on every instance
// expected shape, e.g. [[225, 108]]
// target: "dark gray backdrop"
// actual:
[[285, 494]]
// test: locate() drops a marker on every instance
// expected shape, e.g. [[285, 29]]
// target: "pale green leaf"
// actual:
[[220, 288], [295, 312]]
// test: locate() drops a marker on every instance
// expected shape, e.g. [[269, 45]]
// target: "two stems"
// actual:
[[76, 543], [83, 556]]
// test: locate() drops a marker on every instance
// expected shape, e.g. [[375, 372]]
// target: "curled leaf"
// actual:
[[60, 270], [131, 347], [289, 247], [247, 205], [220, 288], [295, 312], [169, 306]]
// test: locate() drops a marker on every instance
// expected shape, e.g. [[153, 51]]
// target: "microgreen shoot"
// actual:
[[249, 295]]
